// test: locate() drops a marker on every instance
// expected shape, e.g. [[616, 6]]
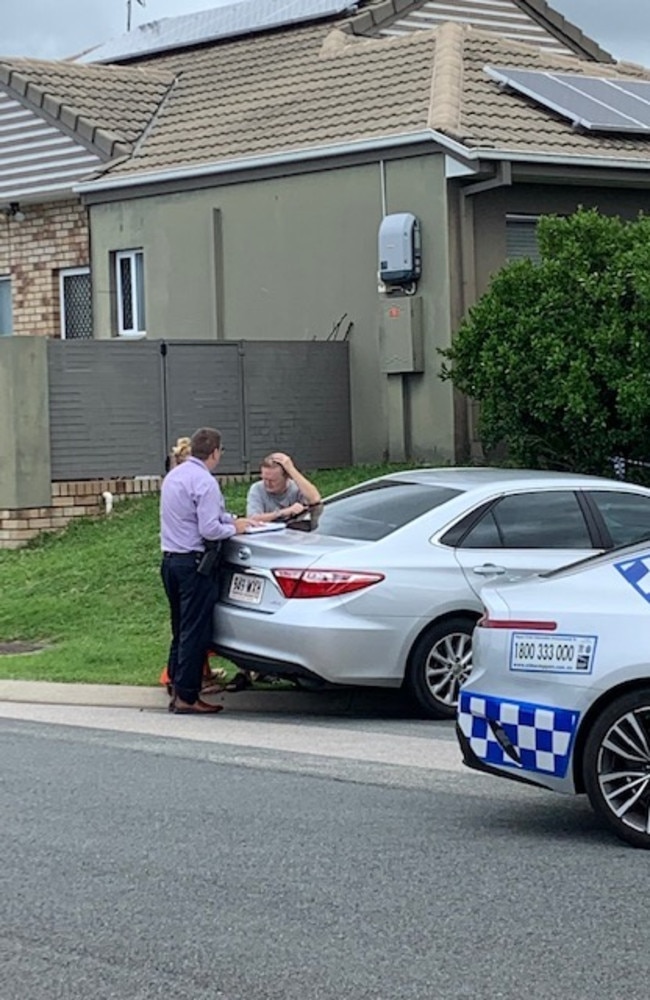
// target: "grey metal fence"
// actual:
[[117, 407]]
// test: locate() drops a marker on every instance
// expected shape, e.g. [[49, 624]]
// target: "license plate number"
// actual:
[[246, 589], [557, 653]]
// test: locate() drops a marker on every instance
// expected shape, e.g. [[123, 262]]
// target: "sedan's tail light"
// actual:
[[519, 624], [323, 582]]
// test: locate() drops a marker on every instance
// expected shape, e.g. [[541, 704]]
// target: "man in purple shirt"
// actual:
[[192, 512]]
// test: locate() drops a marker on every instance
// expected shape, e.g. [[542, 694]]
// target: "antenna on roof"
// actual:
[[129, 5]]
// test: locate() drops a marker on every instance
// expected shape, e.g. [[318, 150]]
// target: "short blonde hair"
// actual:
[[181, 450]]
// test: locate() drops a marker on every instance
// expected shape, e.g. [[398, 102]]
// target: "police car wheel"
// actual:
[[440, 661], [616, 767]]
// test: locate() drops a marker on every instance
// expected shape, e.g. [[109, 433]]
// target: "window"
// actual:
[[626, 515], [532, 521], [372, 511], [6, 322], [76, 304], [521, 237], [129, 283]]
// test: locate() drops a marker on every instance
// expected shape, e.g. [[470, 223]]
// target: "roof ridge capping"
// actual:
[[377, 14], [446, 96]]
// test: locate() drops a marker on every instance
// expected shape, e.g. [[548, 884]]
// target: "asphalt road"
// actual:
[[297, 859]]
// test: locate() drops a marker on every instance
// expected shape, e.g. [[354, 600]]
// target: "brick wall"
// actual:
[[32, 252], [76, 499], [69, 500]]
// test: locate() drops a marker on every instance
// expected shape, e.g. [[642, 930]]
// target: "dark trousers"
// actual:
[[191, 599]]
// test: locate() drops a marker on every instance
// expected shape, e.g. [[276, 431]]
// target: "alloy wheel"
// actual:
[[449, 664], [616, 766], [624, 769]]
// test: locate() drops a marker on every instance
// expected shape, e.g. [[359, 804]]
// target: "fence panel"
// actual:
[[116, 408], [298, 400], [203, 388], [106, 409]]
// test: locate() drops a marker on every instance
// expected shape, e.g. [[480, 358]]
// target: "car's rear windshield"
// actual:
[[371, 511]]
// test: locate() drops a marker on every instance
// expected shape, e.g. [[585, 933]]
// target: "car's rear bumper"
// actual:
[[263, 664], [476, 764], [332, 645]]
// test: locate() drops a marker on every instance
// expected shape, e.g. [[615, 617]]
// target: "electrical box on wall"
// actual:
[[400, 253], [400, 336]]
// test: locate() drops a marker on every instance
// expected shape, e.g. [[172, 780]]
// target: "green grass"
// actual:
[[92, 595]]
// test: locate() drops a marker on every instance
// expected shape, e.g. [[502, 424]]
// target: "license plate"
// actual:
[[555, 654], [246, 589]]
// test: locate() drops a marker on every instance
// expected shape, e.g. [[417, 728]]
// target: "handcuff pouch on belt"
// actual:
[[210, 562]]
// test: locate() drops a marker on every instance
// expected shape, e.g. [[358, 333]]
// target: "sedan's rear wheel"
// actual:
[[616, 767], [440, 661]]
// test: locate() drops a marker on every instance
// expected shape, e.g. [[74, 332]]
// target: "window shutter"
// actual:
[[521, 239]]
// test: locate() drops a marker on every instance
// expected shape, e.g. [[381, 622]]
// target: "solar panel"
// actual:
[[238, 18], [596, 103]]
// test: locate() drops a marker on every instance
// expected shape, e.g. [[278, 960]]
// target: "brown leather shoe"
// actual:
[[197, 708]]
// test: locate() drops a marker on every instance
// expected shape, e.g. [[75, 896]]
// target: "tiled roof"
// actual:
[[308, 87], [497, 119], [107, 107], [287, 90], [311, 87]]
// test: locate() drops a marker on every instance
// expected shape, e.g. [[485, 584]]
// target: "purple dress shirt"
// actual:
[[192, 508]]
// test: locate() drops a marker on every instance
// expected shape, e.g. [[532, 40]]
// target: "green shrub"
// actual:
[[558, 353]]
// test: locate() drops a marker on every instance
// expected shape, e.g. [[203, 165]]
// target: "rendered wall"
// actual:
[[24, 418], [294, 258], [491, 209]]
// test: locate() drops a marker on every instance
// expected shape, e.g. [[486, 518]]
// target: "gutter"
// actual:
[[470, 156], [273, 159], [558, 159]]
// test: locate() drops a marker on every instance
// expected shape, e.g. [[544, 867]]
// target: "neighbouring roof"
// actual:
[[531, 21], [241, 17], [59, 121], [108, 105]]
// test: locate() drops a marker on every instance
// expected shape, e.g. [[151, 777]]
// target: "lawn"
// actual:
[[91, 596]]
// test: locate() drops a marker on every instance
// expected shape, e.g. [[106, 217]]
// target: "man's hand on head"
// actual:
[[284, 461]]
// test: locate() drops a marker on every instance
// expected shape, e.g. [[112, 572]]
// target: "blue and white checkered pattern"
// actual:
[[637, 573], [539, 737]]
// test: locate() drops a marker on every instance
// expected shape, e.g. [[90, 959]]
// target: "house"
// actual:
[[235, 174]]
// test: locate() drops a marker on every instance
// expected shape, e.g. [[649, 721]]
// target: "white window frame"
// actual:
[[137, 293], [67, 272], [6, 279]]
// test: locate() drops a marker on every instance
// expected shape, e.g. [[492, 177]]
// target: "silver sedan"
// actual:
[[380, 584]]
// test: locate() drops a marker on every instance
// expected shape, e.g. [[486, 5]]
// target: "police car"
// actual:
[[559, 695]]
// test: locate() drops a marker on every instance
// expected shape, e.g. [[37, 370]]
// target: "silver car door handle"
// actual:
[[489, 569]]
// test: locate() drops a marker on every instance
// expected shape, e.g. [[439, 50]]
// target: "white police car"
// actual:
[[559, 695]]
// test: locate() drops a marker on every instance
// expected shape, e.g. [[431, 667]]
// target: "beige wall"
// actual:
[[286, 258]]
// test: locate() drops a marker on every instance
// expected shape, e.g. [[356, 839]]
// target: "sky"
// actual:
[[54, 29]]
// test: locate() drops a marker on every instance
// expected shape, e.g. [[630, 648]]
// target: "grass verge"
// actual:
[[92, 596]]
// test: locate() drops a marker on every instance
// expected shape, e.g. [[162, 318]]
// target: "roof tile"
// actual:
[[120, 100]]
